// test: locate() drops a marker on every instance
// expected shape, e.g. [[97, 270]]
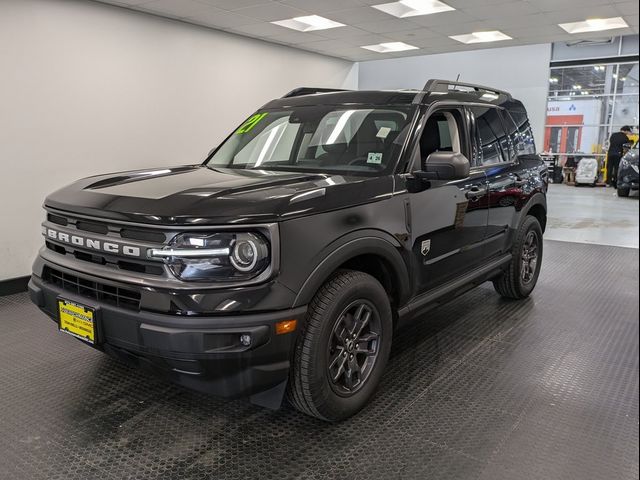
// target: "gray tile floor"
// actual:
[[592, 215], [481, 389]]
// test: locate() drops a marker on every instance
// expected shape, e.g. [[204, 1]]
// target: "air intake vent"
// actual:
[[92, 227], [120, 297], [156, 237]]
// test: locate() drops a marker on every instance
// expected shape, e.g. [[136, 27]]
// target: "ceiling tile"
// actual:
[[221, 19], [321, 6], [235, 4], [352, 16], [385, 26], [503, 10], [264, 29], [271, 12], [448, 18], [293, 37], [554, 5], [628, 8], [367, 39], [577, 15], [175, 8]]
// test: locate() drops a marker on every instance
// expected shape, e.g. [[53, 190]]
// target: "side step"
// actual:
[[476, 276]]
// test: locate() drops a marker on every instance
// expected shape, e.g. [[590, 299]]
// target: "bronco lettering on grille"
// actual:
[[91, 243]]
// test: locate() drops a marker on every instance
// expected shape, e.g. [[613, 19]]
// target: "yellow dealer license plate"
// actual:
[[77, 320]]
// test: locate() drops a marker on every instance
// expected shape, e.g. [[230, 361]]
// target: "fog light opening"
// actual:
[[245, 339]]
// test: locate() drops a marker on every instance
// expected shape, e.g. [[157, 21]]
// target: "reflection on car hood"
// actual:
[[200, 195]]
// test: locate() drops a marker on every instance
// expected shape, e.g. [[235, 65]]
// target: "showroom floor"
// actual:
[[486, 389], [593, 215]]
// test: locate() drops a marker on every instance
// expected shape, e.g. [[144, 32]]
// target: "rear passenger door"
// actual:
[[497, 151]]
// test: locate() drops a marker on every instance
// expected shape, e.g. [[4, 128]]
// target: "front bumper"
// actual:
[[203, 353], [628, 178]]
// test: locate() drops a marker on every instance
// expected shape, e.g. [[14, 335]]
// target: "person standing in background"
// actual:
[[616, 147]]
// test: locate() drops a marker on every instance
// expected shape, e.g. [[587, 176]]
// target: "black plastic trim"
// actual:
[[13, 285]]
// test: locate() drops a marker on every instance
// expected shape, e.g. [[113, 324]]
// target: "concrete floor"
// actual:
[[592, 215]]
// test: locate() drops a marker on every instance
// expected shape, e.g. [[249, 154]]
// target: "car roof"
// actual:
[[300, 97]]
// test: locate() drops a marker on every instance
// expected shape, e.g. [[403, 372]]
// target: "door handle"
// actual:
[[474, 193]]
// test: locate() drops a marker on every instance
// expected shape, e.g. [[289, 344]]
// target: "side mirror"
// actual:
[[446, 166]]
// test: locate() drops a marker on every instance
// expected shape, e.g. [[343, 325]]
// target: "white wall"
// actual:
[[523, 71], [87, 88]]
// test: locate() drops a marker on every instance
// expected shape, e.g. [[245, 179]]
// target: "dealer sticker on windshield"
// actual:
[[375, 158], [252, 122]]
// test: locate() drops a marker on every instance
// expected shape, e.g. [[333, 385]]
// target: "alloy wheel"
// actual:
[[353, 347]]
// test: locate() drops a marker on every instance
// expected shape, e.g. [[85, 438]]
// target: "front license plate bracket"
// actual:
[[78, 320]]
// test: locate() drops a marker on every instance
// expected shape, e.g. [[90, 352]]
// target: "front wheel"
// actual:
[[522, 275], [342, 351], [623, 192]]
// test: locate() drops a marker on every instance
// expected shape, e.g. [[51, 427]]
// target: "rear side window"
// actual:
[[491, 137], [515, 146]]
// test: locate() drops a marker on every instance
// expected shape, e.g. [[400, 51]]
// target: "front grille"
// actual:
[[118, 296], [139, 267], [108, 228]]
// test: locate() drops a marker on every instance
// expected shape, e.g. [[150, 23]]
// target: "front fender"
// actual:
[[361, 242]]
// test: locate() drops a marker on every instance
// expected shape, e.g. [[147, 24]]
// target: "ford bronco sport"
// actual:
[[282, 265]]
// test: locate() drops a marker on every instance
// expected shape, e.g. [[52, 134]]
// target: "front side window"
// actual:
[[442, 133], [328, 139]]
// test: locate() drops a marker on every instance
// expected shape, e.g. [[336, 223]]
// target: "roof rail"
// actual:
[[297, 92], [437, 85]]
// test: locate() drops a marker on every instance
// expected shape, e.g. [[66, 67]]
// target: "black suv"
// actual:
[[628, 172], [282, 265]]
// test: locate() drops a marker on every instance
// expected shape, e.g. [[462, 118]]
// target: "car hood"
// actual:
[[198, 195]]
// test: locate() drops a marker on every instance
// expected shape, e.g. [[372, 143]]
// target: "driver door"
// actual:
[[448, 220]]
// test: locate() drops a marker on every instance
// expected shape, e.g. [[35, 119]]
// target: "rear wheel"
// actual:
[[623, 192], [341, 353], [522, 275]]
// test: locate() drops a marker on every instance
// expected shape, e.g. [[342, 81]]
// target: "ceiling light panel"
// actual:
[[481, 37], [390, 47], [413, 8], [308, 23], [594, 25]]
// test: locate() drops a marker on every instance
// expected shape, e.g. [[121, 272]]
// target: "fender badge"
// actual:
[[425, 247]]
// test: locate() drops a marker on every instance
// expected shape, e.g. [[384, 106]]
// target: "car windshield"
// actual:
[[321, 139]]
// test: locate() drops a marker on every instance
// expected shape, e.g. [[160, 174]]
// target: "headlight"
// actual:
[[624, 163], [216, 257]]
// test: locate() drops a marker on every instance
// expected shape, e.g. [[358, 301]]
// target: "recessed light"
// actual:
[[413, 8], [553, 80], [481, 37], [390, 47], [594, 25], [308, 23]]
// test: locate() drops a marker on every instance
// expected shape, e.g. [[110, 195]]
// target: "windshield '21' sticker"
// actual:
[[252, 122]]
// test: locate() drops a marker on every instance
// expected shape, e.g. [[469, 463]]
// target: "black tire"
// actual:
[[623, 192], [311, 388], [518, 281]]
